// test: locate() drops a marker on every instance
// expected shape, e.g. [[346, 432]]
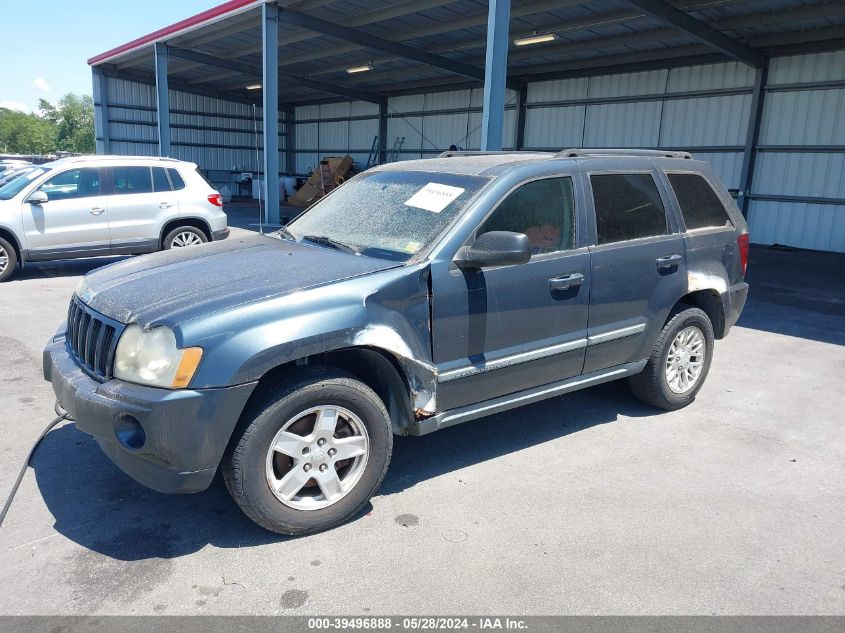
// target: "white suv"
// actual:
[[89, 206]]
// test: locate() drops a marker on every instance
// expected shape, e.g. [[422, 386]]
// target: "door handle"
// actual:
[[164, 205], [565, 282], [97, 210], [669, 261]]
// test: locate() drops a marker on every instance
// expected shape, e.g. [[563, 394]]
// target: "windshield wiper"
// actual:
[[331, 243], [285, 233]]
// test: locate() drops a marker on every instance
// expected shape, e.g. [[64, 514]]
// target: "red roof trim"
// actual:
[[199, 18]]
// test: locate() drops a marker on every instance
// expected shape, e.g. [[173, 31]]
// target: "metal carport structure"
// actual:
[[756, 86]]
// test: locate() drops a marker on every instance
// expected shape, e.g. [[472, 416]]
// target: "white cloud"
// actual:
[[41, 84], [14, 105]]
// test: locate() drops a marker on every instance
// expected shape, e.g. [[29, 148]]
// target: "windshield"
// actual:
[[389, 215], [19, 180]]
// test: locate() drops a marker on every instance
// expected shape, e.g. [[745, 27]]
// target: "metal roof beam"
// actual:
[[142, 77], [396, 11], [374, 42], [256, 71], [634, 37], [561, 27], [703, 32]]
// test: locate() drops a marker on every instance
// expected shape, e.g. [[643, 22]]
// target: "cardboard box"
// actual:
[[305, 196], [312, 191]]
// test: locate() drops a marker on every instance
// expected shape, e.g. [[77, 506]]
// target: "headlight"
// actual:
[[152, 358]]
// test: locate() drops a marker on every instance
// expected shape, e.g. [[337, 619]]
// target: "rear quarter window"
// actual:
[[699, 204], [175, 179], [160, 181]]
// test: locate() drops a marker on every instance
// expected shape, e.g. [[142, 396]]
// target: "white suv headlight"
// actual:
[[152, 358]]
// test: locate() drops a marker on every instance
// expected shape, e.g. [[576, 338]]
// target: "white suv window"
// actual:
[[131, 179], [73, 183]]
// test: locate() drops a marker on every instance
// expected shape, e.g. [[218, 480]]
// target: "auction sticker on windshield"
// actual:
[[434, 197]]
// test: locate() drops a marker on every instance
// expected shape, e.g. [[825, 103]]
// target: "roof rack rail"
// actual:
[[576, 152], [461, 152], [118, 157]]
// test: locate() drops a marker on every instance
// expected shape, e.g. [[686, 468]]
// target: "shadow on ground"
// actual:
[[797, 293], [62, 268], [100, 508]]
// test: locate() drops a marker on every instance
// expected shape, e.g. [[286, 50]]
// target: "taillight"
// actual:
[[216, 199], [742, 242]]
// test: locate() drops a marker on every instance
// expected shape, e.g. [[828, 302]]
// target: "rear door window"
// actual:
[[628, 207], [699, 204], [131, 179]]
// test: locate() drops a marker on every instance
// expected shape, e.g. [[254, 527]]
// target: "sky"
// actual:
[[44, 44]]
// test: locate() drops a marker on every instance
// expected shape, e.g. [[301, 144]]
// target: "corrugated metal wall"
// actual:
[[334, 129], [798, 189], [217, 135], [418, 126], [798, 185], [702, 108]]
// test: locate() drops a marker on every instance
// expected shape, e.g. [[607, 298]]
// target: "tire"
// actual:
[[280, 415], [183, 236], [8, 260], [653, 386]]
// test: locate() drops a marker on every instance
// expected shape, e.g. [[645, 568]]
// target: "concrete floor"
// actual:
[[586, 504]]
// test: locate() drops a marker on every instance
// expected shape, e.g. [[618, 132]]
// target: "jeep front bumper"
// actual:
[[183, 433]]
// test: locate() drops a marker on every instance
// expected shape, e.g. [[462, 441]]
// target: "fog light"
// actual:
[[129, 432]]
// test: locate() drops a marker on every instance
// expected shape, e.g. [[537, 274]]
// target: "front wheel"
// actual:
[[8, 260], [678, 363], [309, 454]]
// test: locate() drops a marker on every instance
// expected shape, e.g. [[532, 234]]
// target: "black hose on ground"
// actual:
[[14, 491]]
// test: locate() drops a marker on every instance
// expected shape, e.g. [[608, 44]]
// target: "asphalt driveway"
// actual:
[[591, 503]]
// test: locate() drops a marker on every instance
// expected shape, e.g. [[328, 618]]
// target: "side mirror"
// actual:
[[495, 248], [37, 197]]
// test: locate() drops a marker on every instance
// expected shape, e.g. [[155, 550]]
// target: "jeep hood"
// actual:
[[179, 284]]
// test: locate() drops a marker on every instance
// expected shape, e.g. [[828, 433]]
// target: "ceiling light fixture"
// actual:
[[535, 39], [359, 69], [254, 87]]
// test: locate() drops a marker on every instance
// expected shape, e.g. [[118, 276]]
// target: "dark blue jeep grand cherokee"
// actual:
[[416, 296]]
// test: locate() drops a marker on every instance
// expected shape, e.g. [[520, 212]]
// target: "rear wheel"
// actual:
[[679, 362], [184, 236], [309, 455], [8, 260]]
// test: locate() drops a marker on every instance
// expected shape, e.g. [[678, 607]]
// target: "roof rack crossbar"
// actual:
[[576, 152]]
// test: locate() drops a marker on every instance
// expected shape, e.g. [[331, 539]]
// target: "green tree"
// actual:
[[67, 125], [73, 118], [22, 133]]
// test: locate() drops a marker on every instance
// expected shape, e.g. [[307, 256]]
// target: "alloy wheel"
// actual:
[[685, 360], [317, 457], [185, 238]]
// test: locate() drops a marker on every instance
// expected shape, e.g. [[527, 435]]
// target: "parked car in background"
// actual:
[[12, 171], [416, 296], [12, 163], [90, 206]]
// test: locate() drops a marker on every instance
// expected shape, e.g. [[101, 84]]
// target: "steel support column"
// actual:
[[290, 140], [750, 152], [382, 131], [521, 107], [495, 74], [101, 110], [270, 90], [162, 100]]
